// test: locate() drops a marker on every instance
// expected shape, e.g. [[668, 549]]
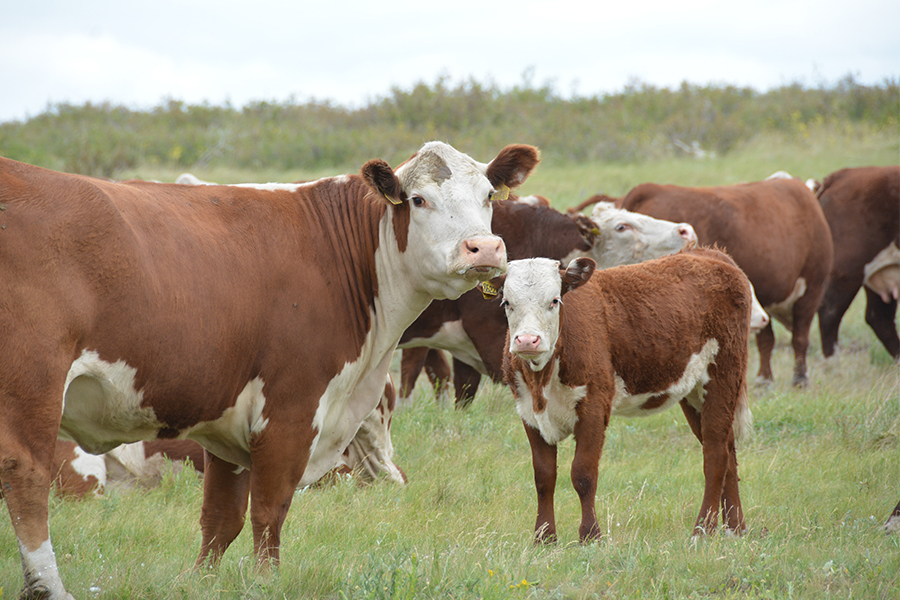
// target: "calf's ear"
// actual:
[[513, 165], [577, 273], [379, 176]]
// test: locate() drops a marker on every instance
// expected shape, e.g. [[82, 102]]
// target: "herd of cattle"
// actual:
[[144, 320]]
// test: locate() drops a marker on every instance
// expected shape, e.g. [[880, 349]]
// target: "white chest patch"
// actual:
[[690, 386], [557, 421]]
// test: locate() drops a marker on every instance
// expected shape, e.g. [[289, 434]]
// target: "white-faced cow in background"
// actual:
[[473, 330], [259, 322], [635, 340], [862, 207]]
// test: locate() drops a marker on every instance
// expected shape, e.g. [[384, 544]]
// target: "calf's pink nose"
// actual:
[[527, 343]]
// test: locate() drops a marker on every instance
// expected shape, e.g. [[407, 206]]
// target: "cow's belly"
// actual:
[[103, 410], [882, 273], [783, 311], [689, 386], [453, 338]]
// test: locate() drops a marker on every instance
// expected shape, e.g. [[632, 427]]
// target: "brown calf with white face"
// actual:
[[634, 340], [259, 321]]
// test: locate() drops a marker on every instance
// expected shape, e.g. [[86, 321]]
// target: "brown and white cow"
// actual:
[[775, 231], [473, 330], [584, 345], [862, 207], [258, 321], [78, 473]]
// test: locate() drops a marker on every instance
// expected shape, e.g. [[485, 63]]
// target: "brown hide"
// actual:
[[642, 323], [862, 207], [776, 233]]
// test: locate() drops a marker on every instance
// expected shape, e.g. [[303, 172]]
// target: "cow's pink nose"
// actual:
[[485, 251], [687, 232], [527, 343]]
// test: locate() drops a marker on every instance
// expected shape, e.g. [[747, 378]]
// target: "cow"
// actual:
[[473, 330], [259, 321], [862, 206], [583, 345], [775, 231], [78, 474]]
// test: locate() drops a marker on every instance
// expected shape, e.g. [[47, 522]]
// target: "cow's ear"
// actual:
[[587, 228], [513, 166], [493, 289], [577, 273], [380, 177]]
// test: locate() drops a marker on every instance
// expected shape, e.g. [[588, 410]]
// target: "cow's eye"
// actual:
[[622, 227], [504, 304], [418, 201], [555, 302]]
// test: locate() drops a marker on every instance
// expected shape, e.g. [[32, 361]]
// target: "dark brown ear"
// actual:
[[586, 227], [380, 177], [577, 273], [513, 165]]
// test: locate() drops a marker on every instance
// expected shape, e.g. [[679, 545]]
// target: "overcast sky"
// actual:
[[351, 52]]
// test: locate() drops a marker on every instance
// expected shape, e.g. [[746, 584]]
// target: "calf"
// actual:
[[473, 330], [634, 340], [777, 234], [862, 207]]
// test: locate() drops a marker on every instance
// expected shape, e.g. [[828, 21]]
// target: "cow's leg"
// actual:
[[835, 303], [804, 310], [226, 488], [412, 361], [437, 368], [543, 458], [880, 317], [465, 383], [589, 437], [765, 343], [26, 452]]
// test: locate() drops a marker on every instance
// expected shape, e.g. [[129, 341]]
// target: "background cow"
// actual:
[[473, 330], [862, 207], [634, 340], [259, 322], [775, 231]]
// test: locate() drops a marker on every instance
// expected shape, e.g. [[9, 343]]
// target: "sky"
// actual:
[[142, 54]]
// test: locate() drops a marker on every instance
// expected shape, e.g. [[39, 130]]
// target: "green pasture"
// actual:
[[818, 476]]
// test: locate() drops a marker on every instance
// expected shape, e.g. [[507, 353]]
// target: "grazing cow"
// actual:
[[776, 233], [893, 522], [634, 340], [258, 321], [862, 207], [473, 330], [77, 473]]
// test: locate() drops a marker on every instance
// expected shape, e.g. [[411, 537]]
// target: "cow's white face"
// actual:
[[532, 295], [450, 244], [627, 238]]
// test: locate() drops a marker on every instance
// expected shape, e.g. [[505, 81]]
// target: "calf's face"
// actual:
[[532, 298]]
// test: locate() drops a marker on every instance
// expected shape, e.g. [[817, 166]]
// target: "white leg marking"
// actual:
[[41, 571]]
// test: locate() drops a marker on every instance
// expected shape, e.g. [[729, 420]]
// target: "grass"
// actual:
[[818, 478]]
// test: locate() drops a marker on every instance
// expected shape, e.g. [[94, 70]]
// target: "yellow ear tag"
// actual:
[[502, 193], [391, 200], [595, 231], [488, 291]]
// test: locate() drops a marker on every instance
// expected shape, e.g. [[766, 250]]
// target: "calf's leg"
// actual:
[[589, 438], [543, 458], [465, 383], [765, 342]]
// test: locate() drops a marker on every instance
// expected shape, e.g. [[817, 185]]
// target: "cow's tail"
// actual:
[[743, 418]]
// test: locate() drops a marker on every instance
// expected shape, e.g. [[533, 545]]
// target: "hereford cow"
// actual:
[[776, 233], [862, 207], [634, 340], [258, 321], [473, 330], [78, 473]]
